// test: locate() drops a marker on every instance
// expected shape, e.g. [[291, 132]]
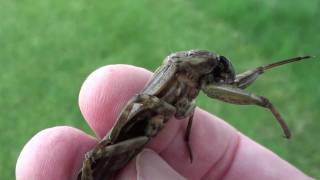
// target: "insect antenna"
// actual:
[[285, 61]]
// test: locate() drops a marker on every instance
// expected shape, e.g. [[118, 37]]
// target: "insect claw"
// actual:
[[89, 156], [287, 135]]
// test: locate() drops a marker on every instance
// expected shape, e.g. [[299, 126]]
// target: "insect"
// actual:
[[171, 93]]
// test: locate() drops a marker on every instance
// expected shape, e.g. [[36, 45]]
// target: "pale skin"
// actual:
[[220, 151]]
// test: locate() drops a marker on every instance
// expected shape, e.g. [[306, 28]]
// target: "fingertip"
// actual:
[[54, 153], [106, 91]]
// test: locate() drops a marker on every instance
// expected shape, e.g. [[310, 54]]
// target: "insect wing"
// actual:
[[161, 77]]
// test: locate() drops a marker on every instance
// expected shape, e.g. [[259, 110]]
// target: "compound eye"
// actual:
[[224, 72]]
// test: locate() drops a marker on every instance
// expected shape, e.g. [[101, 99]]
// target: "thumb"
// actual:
[[150, 165]]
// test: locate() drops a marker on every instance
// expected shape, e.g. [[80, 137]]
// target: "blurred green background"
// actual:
[[48, 47]]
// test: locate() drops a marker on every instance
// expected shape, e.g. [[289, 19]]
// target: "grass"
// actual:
[[47, 48]]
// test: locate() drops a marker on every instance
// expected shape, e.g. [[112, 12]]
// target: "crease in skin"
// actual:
[[227, 167], [234, 154]]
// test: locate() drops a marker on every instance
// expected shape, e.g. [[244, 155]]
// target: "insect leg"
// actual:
[[185, 109], [187, 112], [157, 121], [121, 148], [155, 103], [234, 95], [118, 148], [155, 124], [187, 136], [246, 78], [86, 172]]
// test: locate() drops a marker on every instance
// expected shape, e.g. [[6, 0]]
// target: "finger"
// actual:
[[253, 161], [55, 153], [220, 152]]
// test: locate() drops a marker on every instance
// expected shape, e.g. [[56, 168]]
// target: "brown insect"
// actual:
[[171, 93]]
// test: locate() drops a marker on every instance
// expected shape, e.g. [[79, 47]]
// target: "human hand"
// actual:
[[220, 151]]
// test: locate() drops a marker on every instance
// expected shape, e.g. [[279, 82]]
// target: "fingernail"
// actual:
[[151, 166]]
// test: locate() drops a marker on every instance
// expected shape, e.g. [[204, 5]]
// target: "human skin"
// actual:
[[219, 150]]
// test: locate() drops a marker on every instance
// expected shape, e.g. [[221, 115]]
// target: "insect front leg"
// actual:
[[185, 110], [246, 78], [234, 95], [155, 124], [156, 104]]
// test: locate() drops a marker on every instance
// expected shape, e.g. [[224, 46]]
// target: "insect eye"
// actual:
[[224, 72]]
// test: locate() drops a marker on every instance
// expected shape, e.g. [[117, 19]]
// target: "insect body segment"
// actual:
[[171, 92]]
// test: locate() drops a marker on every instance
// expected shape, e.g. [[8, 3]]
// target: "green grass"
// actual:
[[47, 48]]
